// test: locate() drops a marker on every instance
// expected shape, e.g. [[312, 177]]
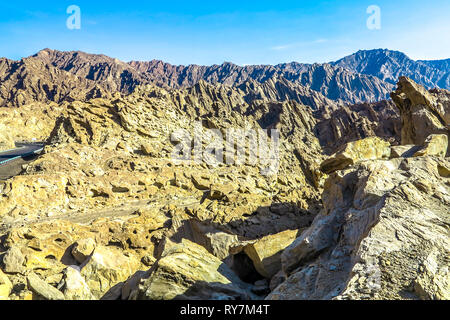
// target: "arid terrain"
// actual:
[[358, 207]]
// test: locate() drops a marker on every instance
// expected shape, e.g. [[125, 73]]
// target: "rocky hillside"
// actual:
[[358, 208], [55, 76]]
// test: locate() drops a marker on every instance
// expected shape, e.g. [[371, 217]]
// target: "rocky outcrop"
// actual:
[[105, 196], [32, 122], [108, 211], [422, 112], [382, 235]]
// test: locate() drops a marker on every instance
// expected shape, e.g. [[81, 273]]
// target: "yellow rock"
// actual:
[[188, 271], [435, 145], [5, 286], [266, 252], [107, 267], [353, 152]]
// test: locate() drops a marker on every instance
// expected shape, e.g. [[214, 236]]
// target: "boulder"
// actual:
[[266, 252], [13, 260], [43, 289], [353, 152], [5, 286], [147, 149], [76, 287], [107, 267], [435, 145], [188, 271]]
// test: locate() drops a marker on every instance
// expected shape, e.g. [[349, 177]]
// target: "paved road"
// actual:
[[23, 151], [11, 161]]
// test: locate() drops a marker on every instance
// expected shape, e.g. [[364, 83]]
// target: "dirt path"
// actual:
[[123, 211]]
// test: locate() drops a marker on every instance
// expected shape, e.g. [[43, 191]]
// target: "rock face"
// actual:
[[106, 268], [75, 286], [382, 235], [422, 112]]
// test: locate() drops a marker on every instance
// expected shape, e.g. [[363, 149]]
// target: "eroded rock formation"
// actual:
[[356, 210]]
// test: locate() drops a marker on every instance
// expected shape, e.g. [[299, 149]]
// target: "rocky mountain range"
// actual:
[[390, 65], [357, 207], [367, 76]]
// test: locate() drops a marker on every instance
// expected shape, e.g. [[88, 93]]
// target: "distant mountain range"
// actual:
[[366, 76], [389, 65]]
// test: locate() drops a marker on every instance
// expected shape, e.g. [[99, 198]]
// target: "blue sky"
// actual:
[[243, 32]]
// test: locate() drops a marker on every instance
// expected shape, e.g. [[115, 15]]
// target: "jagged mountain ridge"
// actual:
[[389, 65], [56, 76], [334, 83]]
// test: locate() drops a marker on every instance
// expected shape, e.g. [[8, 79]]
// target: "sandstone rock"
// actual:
[[217, 241], [354, 152], [147, 149], [83, 249], [13, 260], [107, 267], [188, 271], [435, 145], [5, 286], [222, 192], [75, 287], [433, 281], [266, 252], [6, 140], [381, 235], [43, 289], [423, 112]]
